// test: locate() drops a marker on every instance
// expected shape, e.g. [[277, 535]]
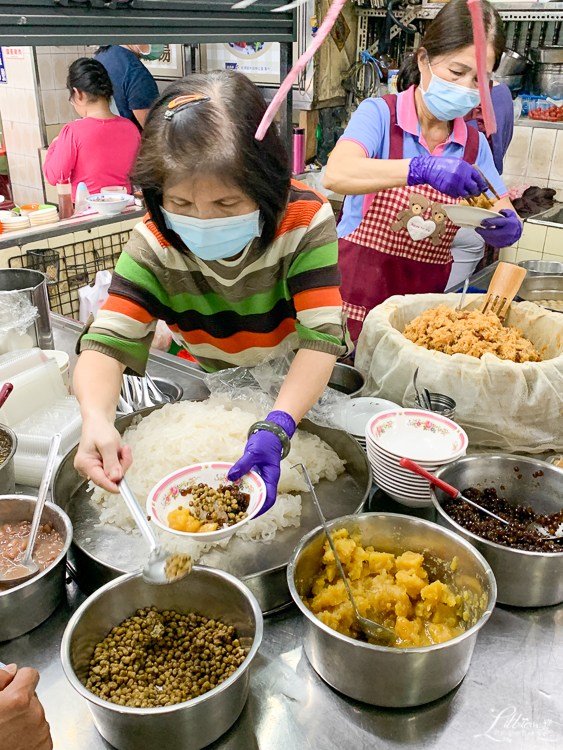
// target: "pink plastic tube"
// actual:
[[480, 39], [299, 66]]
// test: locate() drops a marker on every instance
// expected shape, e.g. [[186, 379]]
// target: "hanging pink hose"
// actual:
[[298, 68], [481, 43]]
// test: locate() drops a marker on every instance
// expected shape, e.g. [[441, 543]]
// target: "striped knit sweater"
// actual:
[[229, 312]]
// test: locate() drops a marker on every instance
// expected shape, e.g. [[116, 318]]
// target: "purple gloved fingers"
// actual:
[[501, 231], [262, 453], [451, 176]]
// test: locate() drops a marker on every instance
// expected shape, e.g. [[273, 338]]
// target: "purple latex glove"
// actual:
[[501, 232], [454, 177], [263, 453]]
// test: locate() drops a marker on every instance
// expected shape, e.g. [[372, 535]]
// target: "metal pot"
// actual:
[[186, 726], [542, 268], [548, 79], [524, 579], [33, 285], [547, 54], [514, 83], [24, 607], [387, 676], [511, 64], [7, 469], [346, 379]]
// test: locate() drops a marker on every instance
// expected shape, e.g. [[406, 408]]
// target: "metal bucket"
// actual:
[[7, 469], [32, 284]]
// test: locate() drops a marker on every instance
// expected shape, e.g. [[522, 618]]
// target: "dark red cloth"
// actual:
[[389, 275]]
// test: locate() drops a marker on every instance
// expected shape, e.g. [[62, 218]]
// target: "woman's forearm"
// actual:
[[97, 384], [305, 382], [350, 172]]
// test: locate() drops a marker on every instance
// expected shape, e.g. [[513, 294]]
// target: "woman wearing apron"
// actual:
[[403, 157]]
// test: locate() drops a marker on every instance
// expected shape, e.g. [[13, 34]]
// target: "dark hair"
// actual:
[[214, 137], [91, 77], [449, 32]]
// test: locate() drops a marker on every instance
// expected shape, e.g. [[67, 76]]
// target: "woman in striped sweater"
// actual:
[[233, 255]]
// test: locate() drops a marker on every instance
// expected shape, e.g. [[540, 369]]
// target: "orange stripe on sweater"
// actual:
[[298, 214], [312, 298], [238, 342], [126, 307]]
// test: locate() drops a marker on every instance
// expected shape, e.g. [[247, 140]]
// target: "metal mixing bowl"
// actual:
[[186, 726], [382, 675], [524, 579], [346, 379], [26, 606]]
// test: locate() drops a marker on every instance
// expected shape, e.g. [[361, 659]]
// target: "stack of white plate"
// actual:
[[426, 438], [353, 415], [44, 216], [11, 222]]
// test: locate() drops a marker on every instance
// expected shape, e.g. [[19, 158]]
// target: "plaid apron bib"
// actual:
[[402, 245]]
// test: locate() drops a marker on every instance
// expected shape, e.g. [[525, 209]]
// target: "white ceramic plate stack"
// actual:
[[11, 222], [354, 414], [44, 216], [426, 438]]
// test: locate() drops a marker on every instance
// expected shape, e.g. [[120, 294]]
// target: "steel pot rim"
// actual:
[[462, 529], [100, 703], [26, 270], [68, 541], [488, 571]]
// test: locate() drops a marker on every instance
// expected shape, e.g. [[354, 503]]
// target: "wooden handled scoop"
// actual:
[[504, 286]]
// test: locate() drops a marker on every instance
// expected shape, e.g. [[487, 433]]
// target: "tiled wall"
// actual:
[[21, 127], [535, 157], [53, 64], [536, 243]]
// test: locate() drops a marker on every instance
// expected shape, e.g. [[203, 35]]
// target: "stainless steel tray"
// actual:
[[100, 554], [542, 287]]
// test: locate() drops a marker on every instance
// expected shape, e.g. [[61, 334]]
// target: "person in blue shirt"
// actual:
[[134, 88], [403, 158]]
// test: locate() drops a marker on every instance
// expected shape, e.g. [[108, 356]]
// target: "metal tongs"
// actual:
[[369, 627]]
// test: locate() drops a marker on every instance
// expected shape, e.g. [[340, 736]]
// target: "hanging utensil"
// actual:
[[369, 627], [27, 566], [162, 567], [504, 286], [406, 463], [7, 388]]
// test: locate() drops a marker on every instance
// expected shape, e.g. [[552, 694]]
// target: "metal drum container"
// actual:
[[26, 606], [384, 675], [33, 285], [190, 725], [524, 579], [543, 288], [7, 469]]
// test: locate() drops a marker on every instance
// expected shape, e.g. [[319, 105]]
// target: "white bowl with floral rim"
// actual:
[[418, 435], [166, 496]]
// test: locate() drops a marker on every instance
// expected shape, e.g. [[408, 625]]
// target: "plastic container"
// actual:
[[63, 361], [80, 199], [33, 389], [13, 363], [66, 209]]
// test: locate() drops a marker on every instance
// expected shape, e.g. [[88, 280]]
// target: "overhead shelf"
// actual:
[[63, 22], [508, 11]]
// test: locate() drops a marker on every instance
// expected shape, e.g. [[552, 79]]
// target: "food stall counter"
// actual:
[[511, 694]]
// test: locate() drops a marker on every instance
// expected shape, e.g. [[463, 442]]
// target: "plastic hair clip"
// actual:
[[181, 102]]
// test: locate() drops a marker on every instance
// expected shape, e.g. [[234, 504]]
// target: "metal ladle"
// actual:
[[27, 566], [369, 627], [155, 569]]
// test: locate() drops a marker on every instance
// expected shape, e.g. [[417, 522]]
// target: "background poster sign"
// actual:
[[170, 65], [260, 61]]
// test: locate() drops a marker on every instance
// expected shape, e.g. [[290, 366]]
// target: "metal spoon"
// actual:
[[371, 628], [27, 565], [418, 396], [406, 463], [154, 571], [465, 288], [156, 393]]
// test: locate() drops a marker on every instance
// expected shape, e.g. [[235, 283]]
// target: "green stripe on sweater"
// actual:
[[312, 260], [132, 349]]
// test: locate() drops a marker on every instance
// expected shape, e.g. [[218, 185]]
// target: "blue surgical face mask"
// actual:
[[215, 239], [446, 100]]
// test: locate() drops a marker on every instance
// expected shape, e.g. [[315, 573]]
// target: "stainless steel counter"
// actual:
[[512, 695]]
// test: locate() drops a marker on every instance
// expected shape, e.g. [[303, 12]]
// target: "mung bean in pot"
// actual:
[[156, 659]]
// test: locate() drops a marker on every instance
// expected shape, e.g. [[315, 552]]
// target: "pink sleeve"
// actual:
[[61, 157]]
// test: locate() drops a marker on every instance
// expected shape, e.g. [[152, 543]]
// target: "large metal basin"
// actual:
[[387, 676], [186, 726], [100, 554], [524, 579], [26, 606]]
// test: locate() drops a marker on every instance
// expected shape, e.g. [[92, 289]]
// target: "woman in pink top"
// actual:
[[99, 149]]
